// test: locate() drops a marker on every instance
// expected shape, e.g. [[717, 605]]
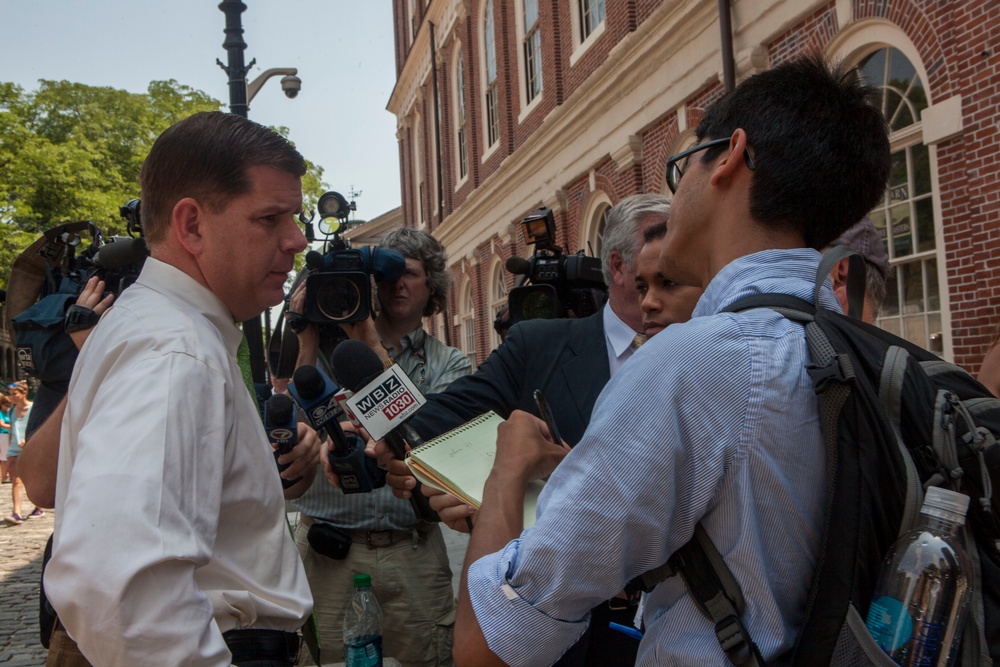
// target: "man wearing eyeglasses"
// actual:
[[712, 422]]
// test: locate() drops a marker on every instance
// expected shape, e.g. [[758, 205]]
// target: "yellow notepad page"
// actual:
[[459, 461]]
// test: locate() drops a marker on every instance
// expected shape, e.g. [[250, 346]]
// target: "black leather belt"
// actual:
[[275, 646], [381, 538]]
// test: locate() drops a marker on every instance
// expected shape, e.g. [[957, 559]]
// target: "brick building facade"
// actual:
[[506, 105]]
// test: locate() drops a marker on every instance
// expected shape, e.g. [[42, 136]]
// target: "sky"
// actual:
[[343, 50]]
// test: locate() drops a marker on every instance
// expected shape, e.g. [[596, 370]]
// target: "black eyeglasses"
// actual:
[[676, 164]]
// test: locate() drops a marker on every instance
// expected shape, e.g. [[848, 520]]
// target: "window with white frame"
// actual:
[[532, 49], [498, 299], [490, 47], [591, 16], [905, 217], [461, 125], [468, 319]]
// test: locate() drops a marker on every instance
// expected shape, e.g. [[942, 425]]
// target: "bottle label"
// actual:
[[894, 630], [363, 652], [889, 623]]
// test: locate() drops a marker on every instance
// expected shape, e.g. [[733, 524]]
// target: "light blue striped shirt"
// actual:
[[715, 421]]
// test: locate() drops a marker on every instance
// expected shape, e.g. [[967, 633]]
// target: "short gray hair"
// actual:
[[621, 232], [420, 245]]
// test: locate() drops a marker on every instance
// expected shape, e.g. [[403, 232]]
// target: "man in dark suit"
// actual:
[[570, 360]]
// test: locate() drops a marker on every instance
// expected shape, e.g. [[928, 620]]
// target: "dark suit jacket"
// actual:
[[566, 359]]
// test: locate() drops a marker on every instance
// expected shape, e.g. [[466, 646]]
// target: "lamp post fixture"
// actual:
[[240, 93]]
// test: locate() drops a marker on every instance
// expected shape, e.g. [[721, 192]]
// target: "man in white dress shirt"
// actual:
[[170, 541]]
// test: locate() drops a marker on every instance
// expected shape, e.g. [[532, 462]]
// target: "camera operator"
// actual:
[[170, 542], [381, 533]]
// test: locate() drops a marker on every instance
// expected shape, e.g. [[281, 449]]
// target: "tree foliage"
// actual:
[[69, 152]]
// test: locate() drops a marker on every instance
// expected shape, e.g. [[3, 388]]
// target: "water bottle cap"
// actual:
[[949, 501], [362, 581]]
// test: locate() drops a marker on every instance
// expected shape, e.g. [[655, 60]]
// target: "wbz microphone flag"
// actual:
[[386, 402]]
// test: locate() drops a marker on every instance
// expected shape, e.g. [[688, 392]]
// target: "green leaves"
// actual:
[[69, 151]]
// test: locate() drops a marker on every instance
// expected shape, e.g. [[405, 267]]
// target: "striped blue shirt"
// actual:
[[715, 421]]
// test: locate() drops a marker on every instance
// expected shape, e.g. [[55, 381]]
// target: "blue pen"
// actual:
[[626, 630]]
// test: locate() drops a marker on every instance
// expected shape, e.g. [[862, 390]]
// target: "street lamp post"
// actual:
[[240, 95]]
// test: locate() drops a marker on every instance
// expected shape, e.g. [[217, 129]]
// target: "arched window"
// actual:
[[468, 318], [498, 298], [906, 218], [594, 219], [490, 76], [461, 123]]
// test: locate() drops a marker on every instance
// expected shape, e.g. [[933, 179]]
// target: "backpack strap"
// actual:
[[890, 393], [713, 588]]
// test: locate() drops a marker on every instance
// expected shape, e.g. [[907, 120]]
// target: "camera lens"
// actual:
[[539, 304], [338, 298]]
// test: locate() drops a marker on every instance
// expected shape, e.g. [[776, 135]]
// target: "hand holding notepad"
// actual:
[[459, 462]]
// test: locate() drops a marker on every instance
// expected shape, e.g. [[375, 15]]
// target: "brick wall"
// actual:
[[956, 44]]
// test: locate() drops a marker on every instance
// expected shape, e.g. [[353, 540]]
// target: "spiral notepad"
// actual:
[[459, 461]]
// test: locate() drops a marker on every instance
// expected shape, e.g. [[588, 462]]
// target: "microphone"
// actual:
[[314, 260], [518, 266], [383, 399], [316, 396], [121, 252], [314, 393], [281, 424]]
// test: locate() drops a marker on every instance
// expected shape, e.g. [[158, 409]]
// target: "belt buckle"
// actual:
[[385, 541]]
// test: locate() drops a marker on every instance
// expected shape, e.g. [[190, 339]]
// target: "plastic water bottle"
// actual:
[[363, 626], [919, 606]]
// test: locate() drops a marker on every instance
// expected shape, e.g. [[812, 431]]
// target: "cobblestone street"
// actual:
[[21, 550]]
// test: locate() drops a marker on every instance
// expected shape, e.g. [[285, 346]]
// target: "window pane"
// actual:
[[936, 334], [924, 210], [902, 238], [898, 178], [530, 13], [892, 325], [912, 279], [920, 165], [890, 307], [915, 329], [933, 293], [490, 45]]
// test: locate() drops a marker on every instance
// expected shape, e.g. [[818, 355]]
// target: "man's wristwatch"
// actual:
[[79, 318]]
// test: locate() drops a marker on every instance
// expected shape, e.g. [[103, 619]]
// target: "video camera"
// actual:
[[338, 287], [46, 279], [561, 285]]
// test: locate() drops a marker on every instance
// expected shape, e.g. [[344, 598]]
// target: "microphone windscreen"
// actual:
[[120, 253], [308, 382], [355, 364], [518, 265], [314, 260], [280, 409]]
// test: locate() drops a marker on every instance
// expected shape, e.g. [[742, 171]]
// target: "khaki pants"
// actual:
[[63, 651], [412, 583]]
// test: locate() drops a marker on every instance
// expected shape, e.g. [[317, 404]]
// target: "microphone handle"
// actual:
[[396, 442]]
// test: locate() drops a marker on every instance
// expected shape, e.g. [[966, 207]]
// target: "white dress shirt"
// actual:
[[170, 527], [618, 337]]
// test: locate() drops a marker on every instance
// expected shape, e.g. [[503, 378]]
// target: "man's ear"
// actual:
[[838, 274], [185, 225], [732, 162], [616, 266]]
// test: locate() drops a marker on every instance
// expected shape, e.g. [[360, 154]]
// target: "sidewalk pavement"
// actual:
[[21, 550]]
